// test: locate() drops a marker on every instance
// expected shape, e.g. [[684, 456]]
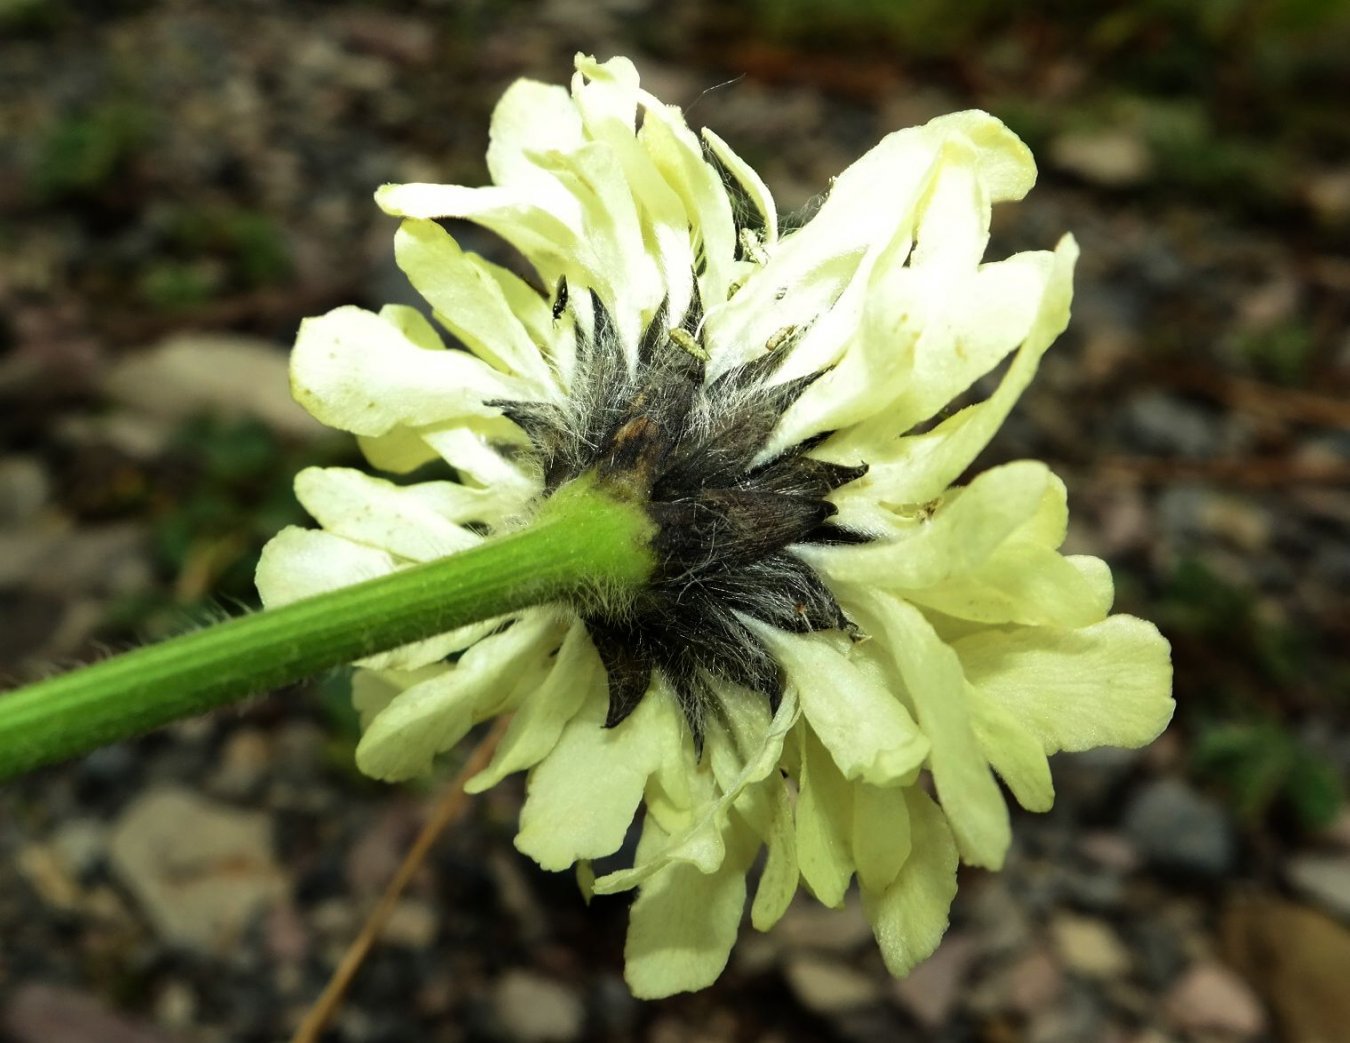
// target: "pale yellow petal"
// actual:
[[824, 822], [866, 728], [539, 720], [684, 923], [1105, 685], [583, 795], [910, 917], [431, 717]]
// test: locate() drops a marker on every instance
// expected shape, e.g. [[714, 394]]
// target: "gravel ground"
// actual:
[[180, 183]]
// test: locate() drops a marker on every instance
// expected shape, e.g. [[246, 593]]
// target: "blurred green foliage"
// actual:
[[19, 16], [1263, 768], [1282, 354], [1164, 35], [83, 152], [208, 250], [1246, 742], [1232, 97]]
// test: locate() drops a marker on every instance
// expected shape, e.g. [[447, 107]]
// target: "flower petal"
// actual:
[[684, 923], [919, 467], [530, 118], [753, 185], [401, 450], [778, 882], [967, 526], [355, 371], [608, 97], [881, 840], [867, 730], [470, 303], [431, 717], [910, 917], [676, 153], [547, 237], [746, 756], [1021, 582], [583, 795], [1104, 685], [932, 675], [469, 448], [415, 522], [824, 822], [542, 714], [1013, 751]]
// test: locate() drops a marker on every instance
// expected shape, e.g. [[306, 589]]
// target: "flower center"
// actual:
[[658, 433]]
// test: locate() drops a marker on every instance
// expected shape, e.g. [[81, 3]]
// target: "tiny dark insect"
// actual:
[[560, 298]]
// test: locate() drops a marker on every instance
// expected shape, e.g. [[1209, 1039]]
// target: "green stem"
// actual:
[[583, 541]]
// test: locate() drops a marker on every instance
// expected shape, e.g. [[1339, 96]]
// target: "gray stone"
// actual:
[[933, 989], [1177, 829], [1157, 422], [1114, 157], [533, 1009], [827, 986], [200, 870], [1089, 947], [81, 844], [39, 1013], [248, 378], [24, 489], [1323, 879], [1210, 997]]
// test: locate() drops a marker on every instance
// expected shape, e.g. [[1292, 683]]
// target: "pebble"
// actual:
[[1110, 851], [1327, 194], [1323, 879], [1338, 833], [1236, 521], [200, 870], [931, 991], [827, 986], [39, 1013], [176, 1005], [48, 875], [1034, 982], [412, 923], [244, 760], [248, 378], [616, 1010], [1089, 947], [81, 843], [1077, 1018], [1177, 829], [1114, 158], [1166, 424], [24, 489], [998, 916], [1211, 997], [533, 1009]]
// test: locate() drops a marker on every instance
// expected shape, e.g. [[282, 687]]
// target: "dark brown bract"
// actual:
[[657, 432]]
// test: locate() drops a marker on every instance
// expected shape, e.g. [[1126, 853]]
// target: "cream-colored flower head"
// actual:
[[841, 648]]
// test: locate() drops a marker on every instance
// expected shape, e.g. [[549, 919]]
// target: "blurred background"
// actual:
[[180, 183]]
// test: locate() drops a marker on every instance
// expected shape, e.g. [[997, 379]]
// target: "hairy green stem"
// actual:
[[583, 542]]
